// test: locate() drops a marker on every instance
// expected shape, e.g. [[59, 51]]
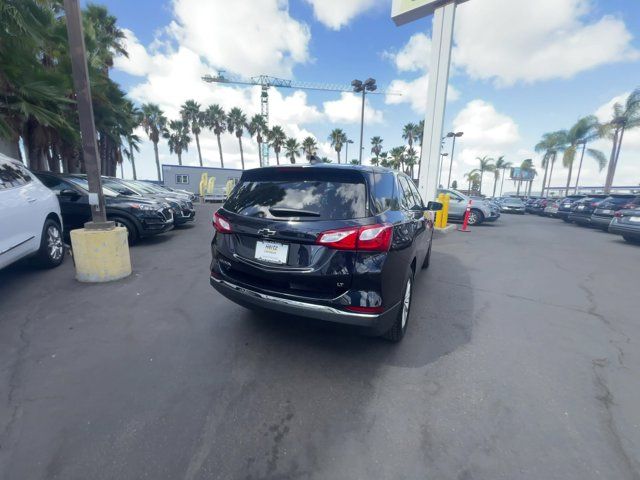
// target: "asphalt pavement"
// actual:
[[521, 362]]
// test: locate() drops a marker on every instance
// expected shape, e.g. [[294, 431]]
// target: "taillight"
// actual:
[[371, 238], [618, 214], [221, 224], [630, 205], [594, 204]]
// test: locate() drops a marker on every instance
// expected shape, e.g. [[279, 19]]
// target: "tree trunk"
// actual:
[[553, 162], [220, 150], [569, 178], [495, 185], [584, 146], [610, 171], [133, 162], [241, 152], [338, 152], [502, 182], [180, 158], [259, 154], [481, 178], [198, 145], [547, 156], [155, 150], [122, 170], [277, 157]]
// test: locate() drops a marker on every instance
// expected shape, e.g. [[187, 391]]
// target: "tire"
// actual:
[[427, 258], [51, 251], [476, 217], [630, 239], [399, 327], [132, 232]]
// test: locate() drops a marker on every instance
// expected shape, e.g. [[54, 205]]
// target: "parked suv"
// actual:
[[339, 243], [582, 210], [30, 220], [603, 214], [141, 217], [564, 209], [481, 210]]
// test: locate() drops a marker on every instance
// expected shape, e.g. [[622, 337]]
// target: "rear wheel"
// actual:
[[132, 233], [399, 327], [630, 239], [51, 252], [475, 217]]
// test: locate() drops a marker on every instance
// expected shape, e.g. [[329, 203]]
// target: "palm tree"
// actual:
[[585, 130], [376, 149], [410, 159], [215, 119], [625, 117], [550, 144], [420, 135], [277, 137], [486, 165], [384, 160], [131, 139], [193, 119], [309, 146], [474, 178], [292, 148], [338, 138], [178, 138], [258, 127], [155, 124], [526, 166], [236, 123], [397, 157], [501, 164], [409, 133]]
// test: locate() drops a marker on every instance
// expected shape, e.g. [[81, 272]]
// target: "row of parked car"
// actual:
[[39, 209], [616, 213]]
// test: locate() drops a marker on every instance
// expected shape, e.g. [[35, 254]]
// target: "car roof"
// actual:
[[329, 166]]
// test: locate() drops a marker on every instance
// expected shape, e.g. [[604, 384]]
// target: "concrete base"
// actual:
[[101, 255], [444, 231]]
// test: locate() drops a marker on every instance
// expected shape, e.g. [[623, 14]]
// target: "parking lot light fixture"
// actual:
[[369, 85], [442, 155], [453, 147]]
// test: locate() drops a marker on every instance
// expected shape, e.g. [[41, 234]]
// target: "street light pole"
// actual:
[[442, 155], [369, 85], [85, 113], [453, 147]]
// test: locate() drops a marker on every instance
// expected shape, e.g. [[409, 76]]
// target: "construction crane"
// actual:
[[266, 82]]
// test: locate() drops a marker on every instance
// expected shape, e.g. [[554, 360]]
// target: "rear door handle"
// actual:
[[31, 200]]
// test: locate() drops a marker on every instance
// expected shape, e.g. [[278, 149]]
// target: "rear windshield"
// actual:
[[300, 193]]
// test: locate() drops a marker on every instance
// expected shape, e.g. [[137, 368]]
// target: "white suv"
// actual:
[[30, 220]]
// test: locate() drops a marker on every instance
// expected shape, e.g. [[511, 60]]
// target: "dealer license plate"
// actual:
[[272, 252]]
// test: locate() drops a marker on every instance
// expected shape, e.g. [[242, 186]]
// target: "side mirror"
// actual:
[[69, 193], [434, 206]]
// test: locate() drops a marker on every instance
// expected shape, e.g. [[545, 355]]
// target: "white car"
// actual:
[[30, 220]]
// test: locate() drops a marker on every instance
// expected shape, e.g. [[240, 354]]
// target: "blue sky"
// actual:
[[519, 69]]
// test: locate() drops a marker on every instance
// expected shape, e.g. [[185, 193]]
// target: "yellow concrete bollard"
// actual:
[[438, 223], [445, 210], [101, 255], [210, 185]]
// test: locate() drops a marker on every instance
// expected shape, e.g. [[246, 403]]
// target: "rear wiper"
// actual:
[[292, 212]]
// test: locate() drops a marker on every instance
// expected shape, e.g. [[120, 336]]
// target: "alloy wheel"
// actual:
[[406, 303], [55, 248]]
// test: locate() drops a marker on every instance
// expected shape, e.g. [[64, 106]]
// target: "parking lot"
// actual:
[[521, 362]]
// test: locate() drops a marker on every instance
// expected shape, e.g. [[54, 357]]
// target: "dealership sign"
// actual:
[[405, 11]]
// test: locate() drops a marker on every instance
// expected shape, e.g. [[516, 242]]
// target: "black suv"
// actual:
[[141, 217], [582, 210], [564, 209], [606, 209], [339, 243]]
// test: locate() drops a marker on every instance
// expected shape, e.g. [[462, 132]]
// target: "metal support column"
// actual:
[[442, 40], [264, 107]]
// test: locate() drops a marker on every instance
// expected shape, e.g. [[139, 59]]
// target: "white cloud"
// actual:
[[249, 38], [526, 43], [348, 110], [138, 63], [414, 92], [414, 55], [335, 14]]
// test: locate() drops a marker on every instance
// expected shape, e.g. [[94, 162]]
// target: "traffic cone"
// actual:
[[465, 222]]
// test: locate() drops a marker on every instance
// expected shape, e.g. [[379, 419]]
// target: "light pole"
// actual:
[[453, 147], [369, 85], [346, 150], [442, 155]]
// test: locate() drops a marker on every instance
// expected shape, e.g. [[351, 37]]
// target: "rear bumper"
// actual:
[[581, 219], [601, 222], [375, 323], [622, 229]]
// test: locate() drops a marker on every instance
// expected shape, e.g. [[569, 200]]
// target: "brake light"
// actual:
[[371, 238], [221, 224], [630, 205], [594, 204], [618, 214]]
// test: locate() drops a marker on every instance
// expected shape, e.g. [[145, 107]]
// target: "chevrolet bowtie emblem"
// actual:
[[265, 232]]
